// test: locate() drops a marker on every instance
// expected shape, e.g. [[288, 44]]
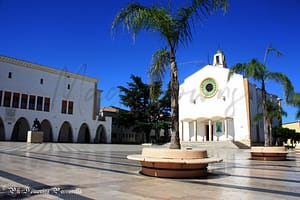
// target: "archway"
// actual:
[[2, 132], [65, 133], [19, 132], [100, 135], [47, 130], [84, 134]]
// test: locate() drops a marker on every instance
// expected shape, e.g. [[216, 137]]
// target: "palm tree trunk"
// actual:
[[175, 142], [265, 114], [270, 131]]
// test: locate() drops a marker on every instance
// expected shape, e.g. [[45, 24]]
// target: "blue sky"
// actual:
[[67, 34]]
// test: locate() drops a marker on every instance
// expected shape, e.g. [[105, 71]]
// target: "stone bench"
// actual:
[[268, 153], [174, 163]]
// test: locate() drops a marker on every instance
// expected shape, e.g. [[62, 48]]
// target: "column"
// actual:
[[209, 130], [195, 130], [225, 129], [182, 128]]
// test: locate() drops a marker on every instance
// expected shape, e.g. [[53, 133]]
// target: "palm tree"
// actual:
[[175, 29], [259, 72], [296, 102], [274, 111]]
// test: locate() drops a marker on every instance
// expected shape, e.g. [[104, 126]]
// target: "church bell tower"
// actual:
[[219, 59]]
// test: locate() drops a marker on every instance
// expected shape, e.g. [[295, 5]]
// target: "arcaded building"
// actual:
[[66, 104]]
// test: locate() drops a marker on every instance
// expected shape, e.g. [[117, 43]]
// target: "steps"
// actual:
[[214, 145]]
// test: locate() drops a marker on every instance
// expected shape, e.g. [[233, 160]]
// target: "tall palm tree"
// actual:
[[175, 29], [274, 111], [259, 72]]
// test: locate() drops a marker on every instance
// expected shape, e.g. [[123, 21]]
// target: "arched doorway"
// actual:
[[47, 130], [2, 133], [65, 133], [100, 135], [20, 130], [84, 134]]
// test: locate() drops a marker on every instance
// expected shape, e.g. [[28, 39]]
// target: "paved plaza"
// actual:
[[101, 171]]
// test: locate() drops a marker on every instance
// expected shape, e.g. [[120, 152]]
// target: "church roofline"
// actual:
[[45, 68]]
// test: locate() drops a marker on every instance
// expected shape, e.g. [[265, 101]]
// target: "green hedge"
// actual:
[[285, 134]]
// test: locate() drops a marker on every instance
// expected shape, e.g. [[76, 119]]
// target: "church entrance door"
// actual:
[[207, 133]]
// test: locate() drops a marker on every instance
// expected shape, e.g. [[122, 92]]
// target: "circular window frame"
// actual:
[[203, 90]]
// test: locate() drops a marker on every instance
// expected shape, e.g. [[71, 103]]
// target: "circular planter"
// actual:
[[297, 149], [268, 153], [174, 163]]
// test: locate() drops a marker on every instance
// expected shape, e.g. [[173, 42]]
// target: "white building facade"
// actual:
[[213, 108], [66, 104]]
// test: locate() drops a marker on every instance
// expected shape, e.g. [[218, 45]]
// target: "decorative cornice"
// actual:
[[45, 68]]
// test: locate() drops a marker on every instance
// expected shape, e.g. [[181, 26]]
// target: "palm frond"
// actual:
[[285, 82], [273, 111], [271, 49], [256, 70], [257, 117], [298, 114], [239, 68], [136, 17], [295, 101], [207, 7], [199, 10], [159, 65]]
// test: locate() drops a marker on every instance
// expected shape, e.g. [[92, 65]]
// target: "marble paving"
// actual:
[[101, 171]]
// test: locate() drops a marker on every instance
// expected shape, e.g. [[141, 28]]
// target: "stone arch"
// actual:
[[2, 130], [100, 135], [47, 130], [65, 133], [84, 134], [20, 129]]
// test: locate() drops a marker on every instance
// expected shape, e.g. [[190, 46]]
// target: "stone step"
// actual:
[[213, 144]]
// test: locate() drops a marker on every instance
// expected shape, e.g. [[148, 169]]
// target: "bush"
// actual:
[[283, 134]]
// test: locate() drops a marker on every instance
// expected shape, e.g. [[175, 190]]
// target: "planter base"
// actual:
[[174, 163], [268, 153], [297, 149]]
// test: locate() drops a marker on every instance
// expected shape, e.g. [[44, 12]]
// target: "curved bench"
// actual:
[[268, 153], [174, 163]]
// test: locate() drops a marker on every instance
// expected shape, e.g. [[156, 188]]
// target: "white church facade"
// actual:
[[66, 104], [213, 108]]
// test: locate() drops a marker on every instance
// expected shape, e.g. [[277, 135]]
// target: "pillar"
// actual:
[[182, 128], [225, 128], [195, 130]]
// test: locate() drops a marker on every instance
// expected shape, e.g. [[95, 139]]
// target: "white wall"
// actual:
[[27, 80], [228, 102]]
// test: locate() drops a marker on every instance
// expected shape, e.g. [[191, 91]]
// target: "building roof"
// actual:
[[108, 109], [44, 68], [294, 122]]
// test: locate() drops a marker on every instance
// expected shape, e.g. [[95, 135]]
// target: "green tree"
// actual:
[[160, 110], [282, 134], [175, 29], [147, 111], [259, 72], [136, 96]]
